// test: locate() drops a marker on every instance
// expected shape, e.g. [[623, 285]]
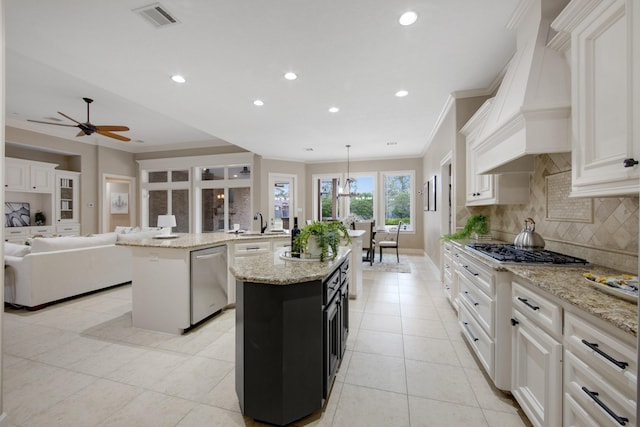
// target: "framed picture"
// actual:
[[119, 203], [17, 214], [431, 193], [425, 194]]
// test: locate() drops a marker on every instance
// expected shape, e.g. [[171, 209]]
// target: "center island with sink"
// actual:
[[163, 274]]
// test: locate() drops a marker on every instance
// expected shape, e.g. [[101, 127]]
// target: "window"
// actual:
[[224, 196], [363, 205], [398, 203], [326, 204], [167, 193]]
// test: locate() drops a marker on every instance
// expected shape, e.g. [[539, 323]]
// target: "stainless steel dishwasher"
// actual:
[[208, 282]]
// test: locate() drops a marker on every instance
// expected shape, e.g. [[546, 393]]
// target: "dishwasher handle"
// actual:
[[208, 256]]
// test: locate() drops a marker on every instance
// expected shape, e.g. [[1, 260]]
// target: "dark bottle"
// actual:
[[295, 231]]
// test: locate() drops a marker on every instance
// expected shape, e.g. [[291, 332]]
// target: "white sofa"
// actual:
[[51, 269]]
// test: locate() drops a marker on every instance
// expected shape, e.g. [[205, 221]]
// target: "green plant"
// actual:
[[40, 218], [475, 224], [327, 235]]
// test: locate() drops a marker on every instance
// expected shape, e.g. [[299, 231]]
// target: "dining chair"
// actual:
[[391, 243], [368, 241]]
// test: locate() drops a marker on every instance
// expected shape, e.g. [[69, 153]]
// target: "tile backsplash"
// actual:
[[604, 230]]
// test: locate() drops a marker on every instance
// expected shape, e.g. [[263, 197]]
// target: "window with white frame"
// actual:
[[363, 204], [167, 193], [398, 199]]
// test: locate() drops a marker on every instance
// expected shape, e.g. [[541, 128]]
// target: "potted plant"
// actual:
[[40, 218], [477, 224], [316, 238]]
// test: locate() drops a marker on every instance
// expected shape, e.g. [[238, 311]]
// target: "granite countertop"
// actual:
[[568, 284], [269, 268], [194, 241]]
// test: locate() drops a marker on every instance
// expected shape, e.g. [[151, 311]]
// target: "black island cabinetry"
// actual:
[[290, 340]]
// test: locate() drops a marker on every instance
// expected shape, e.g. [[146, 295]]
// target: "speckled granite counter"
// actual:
[[199, 240], [269, 268], [568, 284]]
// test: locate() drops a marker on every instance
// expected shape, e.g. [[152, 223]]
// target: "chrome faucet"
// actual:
[[263, 224]]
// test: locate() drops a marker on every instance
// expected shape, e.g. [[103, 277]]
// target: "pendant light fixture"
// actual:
[[346, 190]]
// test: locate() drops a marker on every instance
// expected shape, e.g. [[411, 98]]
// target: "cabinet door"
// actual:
[[15, 176], [536, 372], [67, 198], [602, 112], [479, 187], [41, 179]]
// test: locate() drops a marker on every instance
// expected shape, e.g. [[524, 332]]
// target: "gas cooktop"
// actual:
[[510, 254]]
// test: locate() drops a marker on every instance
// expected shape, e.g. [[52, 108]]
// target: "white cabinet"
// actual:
[[536, 380], [67, 197], [487, 189], [483, 296], [449, 279], [604, 154], [28, 176], [600, 374]]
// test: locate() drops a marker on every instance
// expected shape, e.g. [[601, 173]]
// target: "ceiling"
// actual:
[[349, 54]]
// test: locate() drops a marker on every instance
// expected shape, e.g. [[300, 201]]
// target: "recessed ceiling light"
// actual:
[[138, 141], [408, 18], [178, 78], [290, 76], [402, 93], [334, 109], [258, 103]]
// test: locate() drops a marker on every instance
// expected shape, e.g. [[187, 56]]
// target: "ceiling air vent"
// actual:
[[157, 15]]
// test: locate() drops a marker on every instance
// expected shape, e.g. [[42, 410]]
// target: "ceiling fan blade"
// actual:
[[50, 123], [113, 135], [112, 128], [73, 120]]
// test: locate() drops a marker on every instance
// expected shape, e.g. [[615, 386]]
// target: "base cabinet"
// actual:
[[290, 340], [537, 372]]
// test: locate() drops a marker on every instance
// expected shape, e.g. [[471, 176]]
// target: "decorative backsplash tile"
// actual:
[[610, 238]]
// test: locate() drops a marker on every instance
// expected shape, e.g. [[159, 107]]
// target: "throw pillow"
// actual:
[[13, 249]]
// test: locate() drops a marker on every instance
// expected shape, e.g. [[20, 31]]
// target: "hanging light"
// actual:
[[346, 190]]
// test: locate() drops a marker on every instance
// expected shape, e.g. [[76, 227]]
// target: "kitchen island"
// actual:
[[291, 328], [162, 272]]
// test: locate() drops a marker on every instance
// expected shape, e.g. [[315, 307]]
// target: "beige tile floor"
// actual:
[[80, 363]]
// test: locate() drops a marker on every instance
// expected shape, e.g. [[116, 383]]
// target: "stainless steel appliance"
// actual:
[[510, 254], [208, 282]]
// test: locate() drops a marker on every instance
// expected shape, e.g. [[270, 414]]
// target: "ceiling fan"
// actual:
[[88, 128]]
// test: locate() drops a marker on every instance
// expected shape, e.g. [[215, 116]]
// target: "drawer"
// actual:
[[277, 244], [607, 356], [546, 314], [478, 273], [44, 230], [331, 286], [575, 415], [251, 248], [67, 230], [478, 303], [344, 271], [482, 345], [596, 397], [16, 232]]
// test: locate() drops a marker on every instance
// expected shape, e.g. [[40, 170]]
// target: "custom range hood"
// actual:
[[531, 111]]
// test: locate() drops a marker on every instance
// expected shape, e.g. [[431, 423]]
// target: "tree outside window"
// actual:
[[362, 205], [398, 203]]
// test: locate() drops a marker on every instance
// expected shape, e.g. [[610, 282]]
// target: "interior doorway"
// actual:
[[118, 202], [447, 201]]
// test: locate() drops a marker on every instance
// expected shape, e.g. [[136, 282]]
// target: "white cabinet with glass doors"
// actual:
[[67, 186]]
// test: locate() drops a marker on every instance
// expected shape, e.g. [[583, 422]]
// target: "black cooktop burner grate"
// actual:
[[511, 254]]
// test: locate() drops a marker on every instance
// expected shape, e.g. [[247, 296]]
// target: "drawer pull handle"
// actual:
[[592, 394], [528, 304], [471, 300], [466, 326], [514, 322], [252, 248], [594, 347], [466, 267]]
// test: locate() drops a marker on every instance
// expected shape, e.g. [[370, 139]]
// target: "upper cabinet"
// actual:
[[604, 95], [489, 189], [28, 176]]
